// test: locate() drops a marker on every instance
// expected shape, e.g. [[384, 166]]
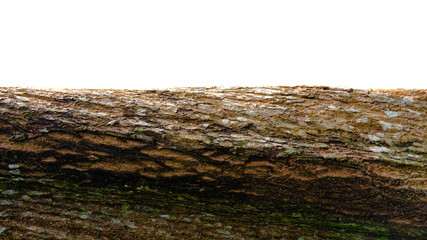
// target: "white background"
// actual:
[[158, 44]]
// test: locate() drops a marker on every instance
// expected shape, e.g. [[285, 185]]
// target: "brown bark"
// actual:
[[354, 152]]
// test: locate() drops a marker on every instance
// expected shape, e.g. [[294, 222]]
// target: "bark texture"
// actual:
[[354, 152]]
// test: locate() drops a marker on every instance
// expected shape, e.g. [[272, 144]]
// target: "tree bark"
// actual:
[[354, 152]]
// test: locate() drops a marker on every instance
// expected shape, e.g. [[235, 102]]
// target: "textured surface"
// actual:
[[353, 152]]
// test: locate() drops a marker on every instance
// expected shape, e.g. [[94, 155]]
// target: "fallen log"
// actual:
[[354, 152]]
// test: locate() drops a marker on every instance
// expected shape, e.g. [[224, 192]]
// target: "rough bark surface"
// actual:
[[354, 152]]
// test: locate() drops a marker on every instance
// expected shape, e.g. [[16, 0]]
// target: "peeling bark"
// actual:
[[354, 152]]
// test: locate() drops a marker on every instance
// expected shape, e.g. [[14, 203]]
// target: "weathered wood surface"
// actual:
[[353, 152]]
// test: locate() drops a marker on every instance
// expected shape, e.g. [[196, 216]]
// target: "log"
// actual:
[[360, 153]]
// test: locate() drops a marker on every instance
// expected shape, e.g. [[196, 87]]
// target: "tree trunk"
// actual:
[[353, 152]]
